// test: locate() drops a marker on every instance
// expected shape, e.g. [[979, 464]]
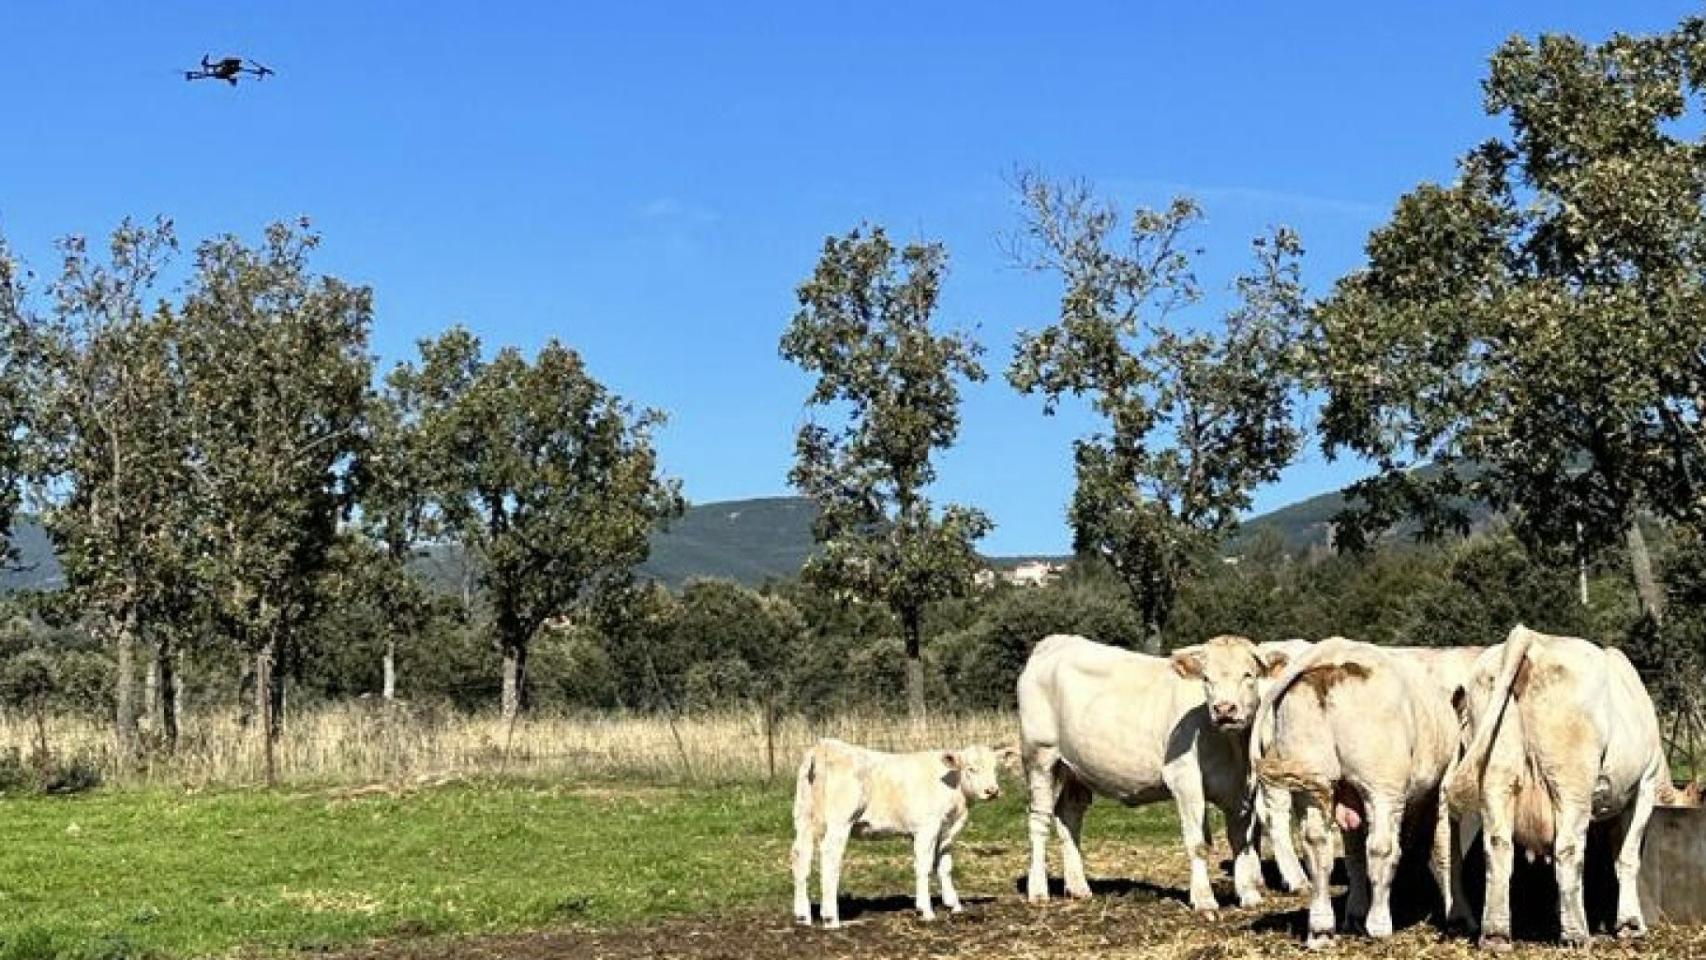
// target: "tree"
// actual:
[[863, 329], [1196, 418], [277, 374], [548, 480], [111, 443], [1535, 329], [394, 489], [17, 375]]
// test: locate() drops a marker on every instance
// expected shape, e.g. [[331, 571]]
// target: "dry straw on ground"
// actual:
[[372, 742]]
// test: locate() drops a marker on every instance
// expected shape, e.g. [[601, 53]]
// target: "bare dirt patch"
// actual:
[[1144, 918]]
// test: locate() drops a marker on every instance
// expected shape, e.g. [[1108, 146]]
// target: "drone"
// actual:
[[228, 69]]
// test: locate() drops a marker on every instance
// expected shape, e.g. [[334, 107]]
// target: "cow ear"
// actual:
[[1187, 663], [1007, 755], [950, 759], [1276, 663]]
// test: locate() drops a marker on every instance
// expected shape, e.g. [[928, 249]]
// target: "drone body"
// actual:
[[228, 69]]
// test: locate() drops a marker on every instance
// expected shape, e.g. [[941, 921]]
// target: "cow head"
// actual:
[[977, 768], [1229, 668]]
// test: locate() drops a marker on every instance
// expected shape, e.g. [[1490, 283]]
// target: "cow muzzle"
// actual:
[[1227, 716]]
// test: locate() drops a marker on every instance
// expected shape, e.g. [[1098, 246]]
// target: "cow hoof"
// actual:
[[1631, 930], [805, 921], [1037, 898], [1249, 900], [1495, 942], [1319, 941], [1079, 894], [927, 918], [1211, 914], [831, 923], [1575, 939]]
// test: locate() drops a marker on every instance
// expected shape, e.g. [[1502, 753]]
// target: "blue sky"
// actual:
[[649, 183]]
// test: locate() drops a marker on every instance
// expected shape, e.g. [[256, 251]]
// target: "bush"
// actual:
[[48, 775]]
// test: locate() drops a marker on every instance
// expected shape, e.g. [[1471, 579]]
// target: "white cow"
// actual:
[[1096, 719], [1364, 737], [1560, 732], [1446, 668], [846, 791]]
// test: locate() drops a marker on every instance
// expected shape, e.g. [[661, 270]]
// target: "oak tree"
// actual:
[[548, 480], [889, 387], [1195, 416], [1537, 329]]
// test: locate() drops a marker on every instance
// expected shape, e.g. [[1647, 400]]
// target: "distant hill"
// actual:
[[36, 568], [748, 541], [1305, 524], [745, 540]]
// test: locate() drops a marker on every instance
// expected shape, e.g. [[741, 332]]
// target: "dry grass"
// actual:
[[366, 743]]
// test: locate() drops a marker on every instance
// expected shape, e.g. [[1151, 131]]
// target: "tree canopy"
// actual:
[[1535, 328], [1196, 417], [864, 330]]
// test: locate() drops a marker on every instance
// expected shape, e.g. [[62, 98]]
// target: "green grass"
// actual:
[[127, 874]]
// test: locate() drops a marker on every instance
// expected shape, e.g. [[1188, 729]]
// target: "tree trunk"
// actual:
[[515, 679], [1646, 583], [264, 703], [1581, 565], [1151, 637], [389, 690], [247, 703], [170, 691], [150, 718], [124, 684], [913, 629]]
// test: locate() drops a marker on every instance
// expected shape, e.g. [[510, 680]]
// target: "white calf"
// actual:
[[846, 791]]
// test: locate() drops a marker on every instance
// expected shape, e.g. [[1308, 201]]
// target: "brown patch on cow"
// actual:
[[1187, 665], [1324, 677], [1534, 677]]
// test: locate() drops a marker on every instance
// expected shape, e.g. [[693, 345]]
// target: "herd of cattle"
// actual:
[[1402, 748]]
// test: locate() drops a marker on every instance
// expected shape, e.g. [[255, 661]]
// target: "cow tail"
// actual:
[[806, 801], [1284, 773], [1464, 790]]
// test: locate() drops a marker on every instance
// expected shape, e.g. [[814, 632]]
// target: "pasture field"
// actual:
[[396, 835], [567, 872]]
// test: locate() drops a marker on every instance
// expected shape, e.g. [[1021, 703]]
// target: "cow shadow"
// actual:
[[1534, 888], [1415, 900], [1534, 894], [853, 908], [1114, 887]]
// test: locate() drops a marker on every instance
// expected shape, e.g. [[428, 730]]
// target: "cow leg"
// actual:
[[1356, 874], [1318, 857], [834, 845], [1496, 912], [1632, 825], [945, 867], [924, 848], [1043, 781], [1385, 826], [801, 861], [1244, 832], [1193, 823], [1281, 820], [1069, 810], [1568, 846], [1445, 862]]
